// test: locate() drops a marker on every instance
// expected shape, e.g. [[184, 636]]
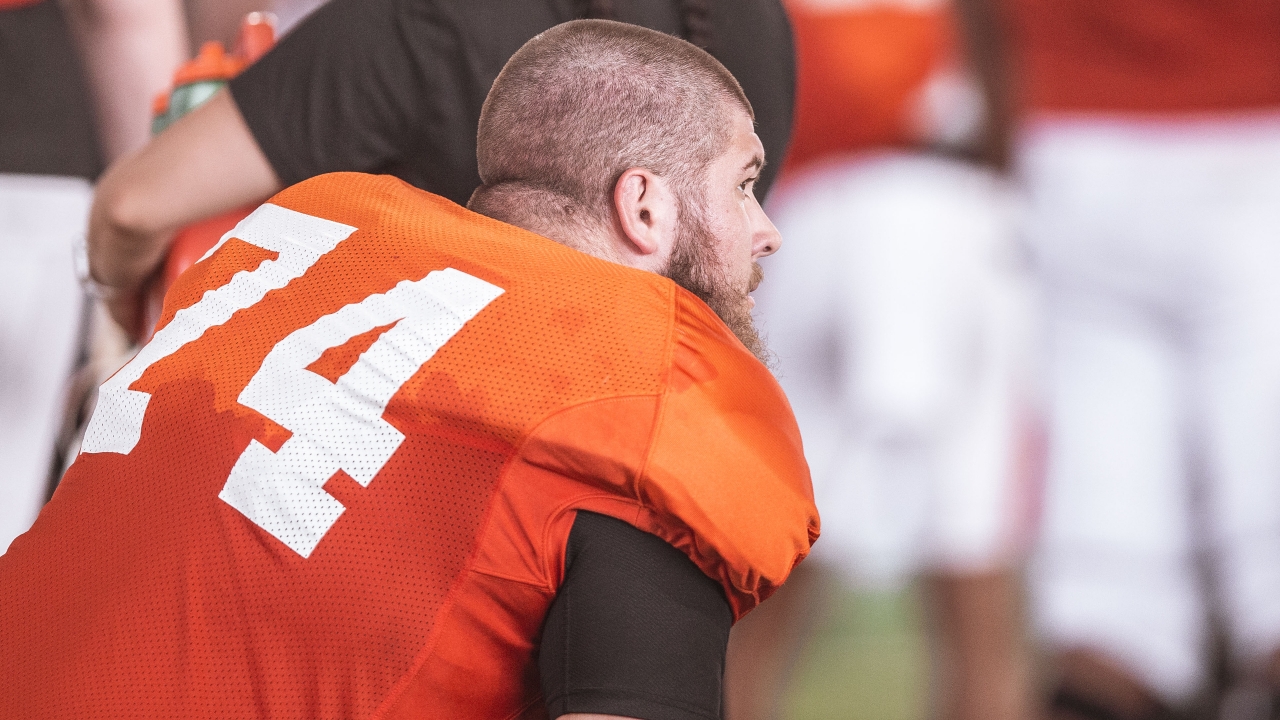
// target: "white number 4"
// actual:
[[334, 425]]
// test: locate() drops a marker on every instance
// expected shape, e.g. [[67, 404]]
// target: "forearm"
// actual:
[[130, 50], [205, 164]]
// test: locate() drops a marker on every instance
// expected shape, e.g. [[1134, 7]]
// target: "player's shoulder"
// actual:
[[727, 462], [400, 227], [706, 353], [570, 304], [366, 200], [391, 210]]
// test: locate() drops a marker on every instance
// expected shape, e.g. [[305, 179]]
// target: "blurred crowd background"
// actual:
[[1027, 313]]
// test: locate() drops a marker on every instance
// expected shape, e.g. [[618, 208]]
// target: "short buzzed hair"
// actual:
[[581, 103]]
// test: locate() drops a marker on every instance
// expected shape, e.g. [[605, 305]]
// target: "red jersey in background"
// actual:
[[874, 74], [1146, 56]]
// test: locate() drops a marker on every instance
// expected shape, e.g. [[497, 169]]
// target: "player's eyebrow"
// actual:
[[756, 163]]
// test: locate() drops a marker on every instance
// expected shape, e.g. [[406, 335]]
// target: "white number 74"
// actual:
[[339, 426], [334, 426]]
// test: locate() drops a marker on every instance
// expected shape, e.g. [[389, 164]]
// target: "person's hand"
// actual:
[[123, 252], [126, 308], [204, 164]]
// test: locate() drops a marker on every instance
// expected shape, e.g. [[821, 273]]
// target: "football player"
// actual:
[[389, 457]]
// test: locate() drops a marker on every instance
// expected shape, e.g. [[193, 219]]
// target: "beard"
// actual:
[[696, 267]]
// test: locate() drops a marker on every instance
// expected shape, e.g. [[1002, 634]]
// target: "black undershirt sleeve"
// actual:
[[635, 630]]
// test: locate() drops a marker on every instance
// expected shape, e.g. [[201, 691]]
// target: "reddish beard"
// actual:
[[696, 267]]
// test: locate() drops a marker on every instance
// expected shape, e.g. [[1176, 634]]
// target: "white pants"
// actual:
[[1159, 245], [900, 322], [41, 218]]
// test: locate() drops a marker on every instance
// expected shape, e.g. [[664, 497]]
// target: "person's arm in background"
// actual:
[[204, 164], [130, 49], [313, 102]]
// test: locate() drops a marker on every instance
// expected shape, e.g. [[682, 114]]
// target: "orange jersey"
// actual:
[[339, 480], [1147, 55], [859, 69]]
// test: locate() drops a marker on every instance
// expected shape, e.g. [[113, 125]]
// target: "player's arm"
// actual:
[[636, 630], [204, 164]]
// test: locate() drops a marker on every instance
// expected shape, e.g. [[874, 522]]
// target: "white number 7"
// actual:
[[299, 240]]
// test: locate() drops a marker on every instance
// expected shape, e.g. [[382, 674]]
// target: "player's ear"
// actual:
[[647, 213]]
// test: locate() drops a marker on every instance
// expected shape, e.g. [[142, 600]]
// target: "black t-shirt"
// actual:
[[46, 120], [396, 86], [636, 629]]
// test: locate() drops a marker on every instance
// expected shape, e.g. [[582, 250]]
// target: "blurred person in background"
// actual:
[[1150, 147], [390, 87], [901, 322], [76, 81]]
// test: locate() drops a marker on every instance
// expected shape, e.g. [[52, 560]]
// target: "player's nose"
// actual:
[[766, 239]]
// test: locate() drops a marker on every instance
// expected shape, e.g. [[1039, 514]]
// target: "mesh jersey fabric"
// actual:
[[171, 575]]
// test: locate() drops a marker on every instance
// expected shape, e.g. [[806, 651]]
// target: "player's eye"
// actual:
[[747, 185]]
